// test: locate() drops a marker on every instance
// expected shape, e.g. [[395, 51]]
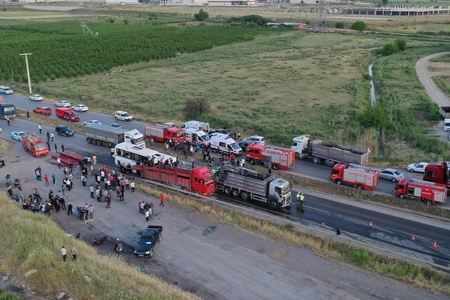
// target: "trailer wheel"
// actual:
[[402, 196], [227, 190], [244, 196], [317, 160], [428, 202], [275, 166], [252, 161], [359, 187], [89, 140], [235, 193], [338, 182], [273, 204]]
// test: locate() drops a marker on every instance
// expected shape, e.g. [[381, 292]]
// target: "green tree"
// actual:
[[359, 25], [201, 15], [340, 25], [385, 2], [376, 117], [390, 48]]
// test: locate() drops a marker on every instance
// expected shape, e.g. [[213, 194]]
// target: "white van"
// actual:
[[199, 126], [446, 124], [224, 143], [197, 137]]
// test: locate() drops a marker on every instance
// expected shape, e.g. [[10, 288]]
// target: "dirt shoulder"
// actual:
[[209, 258]]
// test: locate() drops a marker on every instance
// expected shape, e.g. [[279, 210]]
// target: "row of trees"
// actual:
[[66, 52]]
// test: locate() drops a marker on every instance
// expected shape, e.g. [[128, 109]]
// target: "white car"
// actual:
[[36, 97], [419, 167], [123, 116], [80, 107], [88, 122], [6, 90], [62, 103]]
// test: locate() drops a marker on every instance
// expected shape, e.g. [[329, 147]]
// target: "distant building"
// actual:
[[210, 2]]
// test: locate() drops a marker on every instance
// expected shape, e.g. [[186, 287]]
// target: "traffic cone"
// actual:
[[435, 245], [413, 238], [323, 224], [370, 224]]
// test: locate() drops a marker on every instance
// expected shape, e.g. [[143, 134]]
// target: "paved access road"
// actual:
[[302, 167]]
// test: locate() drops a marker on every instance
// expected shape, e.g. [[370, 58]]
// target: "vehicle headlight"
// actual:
[[135, 251], [147, 252]]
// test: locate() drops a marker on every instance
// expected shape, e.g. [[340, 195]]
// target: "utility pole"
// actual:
[[28, 69]]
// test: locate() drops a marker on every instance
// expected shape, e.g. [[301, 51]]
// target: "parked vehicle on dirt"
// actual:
[[67, 114], [148, 240], [104, 135], [35, 144], [357, 176], [277, 157], [251, 185], [428, 192], [328, 152]]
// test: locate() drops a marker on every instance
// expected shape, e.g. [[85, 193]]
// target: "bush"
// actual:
[[401, 44], [195, 107], [390, 48], [201, 15], [359, 25], [339, 24], [250, 19]]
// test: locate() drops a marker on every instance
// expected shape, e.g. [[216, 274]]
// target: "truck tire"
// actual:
[[275, 166], [428, 202], [252, 161], [299, 156], [338, 182], [89, 140], [244, 196], [235, 193], [360, 187], [227, 190], [273, 204], [402, 196], [317, 160]]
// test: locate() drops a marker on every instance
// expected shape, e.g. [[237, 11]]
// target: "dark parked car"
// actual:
[[146, 243], [64, 130]]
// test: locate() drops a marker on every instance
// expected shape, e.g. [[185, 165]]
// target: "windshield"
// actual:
[[204, 138], [235, 146], [287, 189], [125, 115], [40, 146], [9, 108], [72, 114], [138, 140]]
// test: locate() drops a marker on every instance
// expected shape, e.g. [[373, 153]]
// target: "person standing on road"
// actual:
[[338, 233], [7, 120], [300, 200], [62, 147], [94, 159], [40, 131], [91, 189], [64, 253], [69, 209], [53, 178], [51, 136], [28, 114], [108, 201], [91, 211], [161, 200], [56, 150], [150, 213], [147, 215], [74, 253]]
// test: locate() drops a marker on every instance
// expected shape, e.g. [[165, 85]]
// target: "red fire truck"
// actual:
[[428, 192], [162, 133], [279, 158], [197, 180], [360, 177], [438, 172], [34, 144]]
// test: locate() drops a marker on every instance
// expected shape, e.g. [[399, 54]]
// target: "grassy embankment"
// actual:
[[443, 82], [412, 274], [32, 241]]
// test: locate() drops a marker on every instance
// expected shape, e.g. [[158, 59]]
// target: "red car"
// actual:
[[43, 110]]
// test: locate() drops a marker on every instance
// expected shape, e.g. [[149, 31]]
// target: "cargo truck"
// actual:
[[7, 109], [164, 133], [428, 192], [328, 152], [445, 112], [357, 176], [251, 185], [278, 158], [438, 172], [35, 144], [104, 135], [66, 113]]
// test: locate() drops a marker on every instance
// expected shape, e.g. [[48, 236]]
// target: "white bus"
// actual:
[[128, 155]]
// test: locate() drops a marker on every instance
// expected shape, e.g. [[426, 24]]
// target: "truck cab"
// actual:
[[280, 189], [300, 144], [437, 172], [134, 137]]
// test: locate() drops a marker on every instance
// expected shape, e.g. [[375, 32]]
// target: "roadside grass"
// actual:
[[5, 147], [272, 86], [442, 58], [328, 248], [443, 82], [33, 242], [7, 295]]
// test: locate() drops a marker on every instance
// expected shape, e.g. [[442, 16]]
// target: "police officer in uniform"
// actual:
[[300, 200]]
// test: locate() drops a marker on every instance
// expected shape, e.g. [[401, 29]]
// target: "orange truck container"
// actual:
[[428, 192], [35, 144], [279, 158], [360, 177], [162, 133], [66, 113]]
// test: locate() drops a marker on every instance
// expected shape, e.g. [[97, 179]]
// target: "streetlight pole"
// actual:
[[28, 69]]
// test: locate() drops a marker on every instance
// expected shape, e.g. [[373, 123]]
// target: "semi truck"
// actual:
[[438, 172], [164, 133], [277, 157], [35, 144], [67, 113], [328, 152], [428, 192], [104, 135], [196, 180], [251, 185], [362, 178], [445, 112]]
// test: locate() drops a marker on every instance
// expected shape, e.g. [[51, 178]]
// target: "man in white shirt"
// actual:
[[64, 253]]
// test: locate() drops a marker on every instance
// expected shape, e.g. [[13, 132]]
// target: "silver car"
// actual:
[[392, 175]]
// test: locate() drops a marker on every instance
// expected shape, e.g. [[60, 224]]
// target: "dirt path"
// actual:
[[426, 70]]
